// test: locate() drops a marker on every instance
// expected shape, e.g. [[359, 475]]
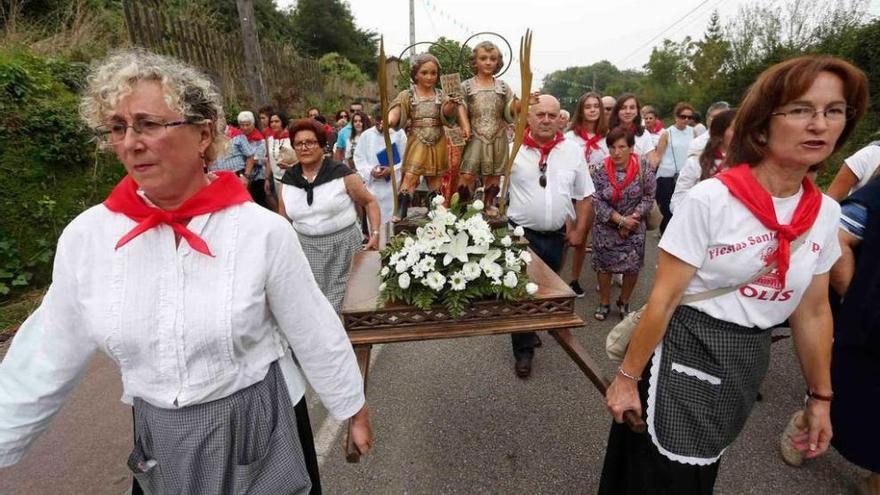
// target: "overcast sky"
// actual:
[[566, 32]]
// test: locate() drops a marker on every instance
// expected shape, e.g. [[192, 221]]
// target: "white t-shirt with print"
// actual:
[[716, 233], [864, 163]]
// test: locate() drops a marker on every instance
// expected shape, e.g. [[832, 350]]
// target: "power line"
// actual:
[[661, 33]]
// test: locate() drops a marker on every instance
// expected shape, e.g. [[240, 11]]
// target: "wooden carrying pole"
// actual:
[[525, 70], [383, 102]]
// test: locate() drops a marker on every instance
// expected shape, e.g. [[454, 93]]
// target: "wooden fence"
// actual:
[[287, 75]]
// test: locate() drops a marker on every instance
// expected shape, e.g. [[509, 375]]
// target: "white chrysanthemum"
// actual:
[[511, 260], [493, 271], [408, 242], [457, 281], [477, 205], [525, 256], [395, 257], [506, 241], [403, 280], [400, 266], [510, 279], [531, 288], [438, 200], [518, 231], [384, 271], [435, 280], [471, 271]]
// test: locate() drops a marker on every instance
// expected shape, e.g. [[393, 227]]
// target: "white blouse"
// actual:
[[183, 327], [331, 210]]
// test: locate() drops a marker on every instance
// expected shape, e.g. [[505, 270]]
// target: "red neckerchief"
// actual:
[[743, 186], [544, 149], [267, 132], [658, 126], [255, 135], [632, 171], [232, 131], [225, 191], [592, 143], [284, 134]]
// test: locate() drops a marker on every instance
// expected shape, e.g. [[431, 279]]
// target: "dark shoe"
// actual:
[[623, 308], [576, 287], [537, 341], [403, 201], [602, 312], [523, 366], [464, 194]]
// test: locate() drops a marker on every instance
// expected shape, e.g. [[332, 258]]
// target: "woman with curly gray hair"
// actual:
[[196, 293]]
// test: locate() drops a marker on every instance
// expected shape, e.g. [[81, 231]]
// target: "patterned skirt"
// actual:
[[248, 442], [330, 256]]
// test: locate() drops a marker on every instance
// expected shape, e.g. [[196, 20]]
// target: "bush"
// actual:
[[50, 169]]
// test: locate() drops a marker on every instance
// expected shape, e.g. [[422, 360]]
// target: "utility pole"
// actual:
[[412, 30], [253, 58]]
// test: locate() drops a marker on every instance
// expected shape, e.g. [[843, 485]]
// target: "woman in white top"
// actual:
[[195, 292], [653, 124], [709, 162], [763, 229], [281, 154], [673, 147], [627, 113], [318, 195], [359, 123], [588, 130]]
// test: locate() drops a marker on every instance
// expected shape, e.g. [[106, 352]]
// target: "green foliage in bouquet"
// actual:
[[454, 258]]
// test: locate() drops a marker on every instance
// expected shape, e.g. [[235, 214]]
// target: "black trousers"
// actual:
[[665, 188], [306, 439], [549, 247], [258, 192]]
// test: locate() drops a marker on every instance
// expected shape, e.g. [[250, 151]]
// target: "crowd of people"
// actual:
[[214, 272]]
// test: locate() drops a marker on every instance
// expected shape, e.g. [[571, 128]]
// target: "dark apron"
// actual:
[[705, 376]]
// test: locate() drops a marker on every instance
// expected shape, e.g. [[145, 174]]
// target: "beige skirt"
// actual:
[[425, 159]]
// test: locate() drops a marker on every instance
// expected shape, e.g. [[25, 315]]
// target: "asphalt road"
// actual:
[[451, 417]]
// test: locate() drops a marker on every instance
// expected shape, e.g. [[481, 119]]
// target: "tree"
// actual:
[[325, 26], [335, 65], [708, 65]]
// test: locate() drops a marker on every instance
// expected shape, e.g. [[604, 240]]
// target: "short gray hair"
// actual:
[[718, 105], [187, 90]]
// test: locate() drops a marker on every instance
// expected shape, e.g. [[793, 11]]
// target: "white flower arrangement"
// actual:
[[455, 258]]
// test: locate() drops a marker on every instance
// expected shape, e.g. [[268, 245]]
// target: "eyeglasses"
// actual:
[[686, 117], [609, 109], [542, 180], [305, 145], [803, 113], [149, 128]]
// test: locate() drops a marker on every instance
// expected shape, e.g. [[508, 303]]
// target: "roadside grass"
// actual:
[[13, 313]]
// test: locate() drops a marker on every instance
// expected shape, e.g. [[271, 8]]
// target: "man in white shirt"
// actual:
[[377, 176], [550, 198]]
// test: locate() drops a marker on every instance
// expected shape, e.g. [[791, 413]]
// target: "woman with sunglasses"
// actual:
[[319, 195], [624, 196], [673, 147], [708, 163]]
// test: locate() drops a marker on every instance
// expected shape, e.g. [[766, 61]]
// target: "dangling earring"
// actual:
[[762, 139], [204, 161]]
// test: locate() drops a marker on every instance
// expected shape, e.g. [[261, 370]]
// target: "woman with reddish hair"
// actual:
[[763, 236]]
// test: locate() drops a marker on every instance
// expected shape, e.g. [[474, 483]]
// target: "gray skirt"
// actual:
[[244, 443], [330, 256]]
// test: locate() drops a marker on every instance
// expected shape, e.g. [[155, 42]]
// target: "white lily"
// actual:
[[458, 249]]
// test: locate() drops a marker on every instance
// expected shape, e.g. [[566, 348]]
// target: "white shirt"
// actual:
[[545, 209], [688, 177], [644, 144], [863, 164], [716, 233], [677, 143], [596, 156], [698, 144], [331, 210], [184, 328], [366, 158], [277, 149], [700, 129]]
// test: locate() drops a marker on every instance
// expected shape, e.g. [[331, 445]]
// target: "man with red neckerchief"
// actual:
[[550, 192]]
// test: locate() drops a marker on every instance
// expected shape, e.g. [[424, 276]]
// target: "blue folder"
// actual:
[[383, 155]]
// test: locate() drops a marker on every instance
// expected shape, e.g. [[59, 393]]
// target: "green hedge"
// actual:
[[49, 167]]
